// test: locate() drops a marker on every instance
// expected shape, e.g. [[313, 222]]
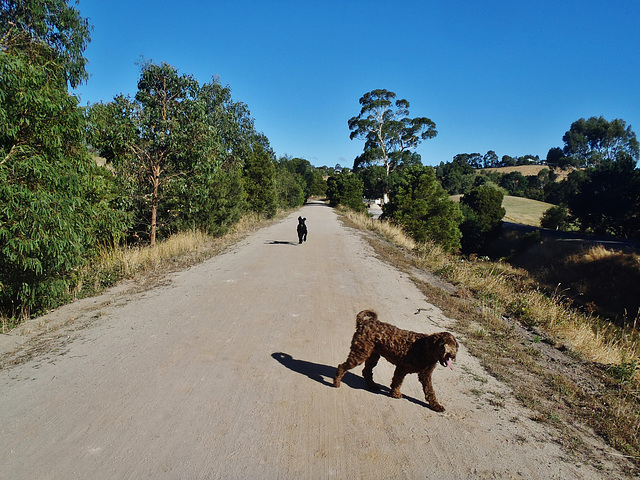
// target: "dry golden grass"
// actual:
[[130, 261], [524, 210], [148, 264], [528, 170], [598, 279], [389, 231]]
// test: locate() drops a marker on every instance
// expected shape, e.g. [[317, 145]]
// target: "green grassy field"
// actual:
[[524, 210], [520, 210]]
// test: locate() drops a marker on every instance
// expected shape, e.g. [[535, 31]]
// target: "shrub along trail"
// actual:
[[225, 372]]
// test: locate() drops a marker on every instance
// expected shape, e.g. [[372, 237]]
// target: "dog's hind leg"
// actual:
[[367, 372], [353, 360]]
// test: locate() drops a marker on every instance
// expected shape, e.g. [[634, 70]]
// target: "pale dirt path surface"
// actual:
[[225, 372]]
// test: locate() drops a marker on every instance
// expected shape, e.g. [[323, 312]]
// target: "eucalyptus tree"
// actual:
[[155, 142], [29, 25], [231, 121], [172, 129], [260, 181], [55, 204], [595, 140], [387, 129]]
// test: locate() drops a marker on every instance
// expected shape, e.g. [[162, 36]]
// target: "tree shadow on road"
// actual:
[[324, 374]]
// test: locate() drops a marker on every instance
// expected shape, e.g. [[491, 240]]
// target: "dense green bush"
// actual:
[[56, 204], [483, 212], [422, 207], [346, 189], [259, 182], [555, 218]]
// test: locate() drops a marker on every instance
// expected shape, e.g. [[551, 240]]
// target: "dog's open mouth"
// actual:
[[446, 362]]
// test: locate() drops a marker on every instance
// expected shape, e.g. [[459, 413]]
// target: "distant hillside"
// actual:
[[520, 210], [528, 170]]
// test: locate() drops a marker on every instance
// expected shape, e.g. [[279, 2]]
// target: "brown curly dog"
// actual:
[[410, 352]]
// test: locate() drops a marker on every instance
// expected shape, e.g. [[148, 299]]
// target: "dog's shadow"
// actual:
[[279, 242], [324, 374]]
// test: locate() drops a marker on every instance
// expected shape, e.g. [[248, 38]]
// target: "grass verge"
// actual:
[[573, 370]]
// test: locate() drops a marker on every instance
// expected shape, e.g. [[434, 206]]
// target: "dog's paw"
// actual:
[[396, 394], [436, 407], [336, 382]]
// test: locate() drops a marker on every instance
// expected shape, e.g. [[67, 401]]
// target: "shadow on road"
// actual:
[[280, 242], [324, 374]]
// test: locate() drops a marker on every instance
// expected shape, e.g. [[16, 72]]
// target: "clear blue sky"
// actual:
[[509, 76]]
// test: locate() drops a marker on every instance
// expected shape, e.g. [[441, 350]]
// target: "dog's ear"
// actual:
[[441, 345], [450, 349]]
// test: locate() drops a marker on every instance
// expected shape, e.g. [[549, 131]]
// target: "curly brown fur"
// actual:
[[410, 352]]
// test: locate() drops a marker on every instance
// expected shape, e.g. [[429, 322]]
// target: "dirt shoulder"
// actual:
[[224, 371]]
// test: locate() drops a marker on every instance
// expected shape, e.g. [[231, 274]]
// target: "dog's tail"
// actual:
[[365, 317]]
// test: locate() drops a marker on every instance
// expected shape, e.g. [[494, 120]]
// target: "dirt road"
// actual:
[[225, 372]]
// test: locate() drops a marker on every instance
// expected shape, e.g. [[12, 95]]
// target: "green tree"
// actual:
[[375, 181], [483, 212], [607, 201], [171, 126], [388, 130], [490, 159], [211, 198], [55, 202], [205, 188], [290, 185], [33, 24], [595, 140], [260, 185], [556, 218], [422, 207], [515, 183], [155, 142], [309, 177], [345, 189], [230, 121], [456, 176]]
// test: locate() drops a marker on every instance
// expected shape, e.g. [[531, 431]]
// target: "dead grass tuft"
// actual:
[[389, 231]]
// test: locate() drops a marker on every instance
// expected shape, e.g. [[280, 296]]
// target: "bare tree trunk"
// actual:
[[154, 203]]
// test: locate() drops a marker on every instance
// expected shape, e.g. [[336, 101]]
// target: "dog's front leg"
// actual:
[[396, 382], [429, 394]]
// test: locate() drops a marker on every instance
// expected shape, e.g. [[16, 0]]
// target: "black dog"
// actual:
[[302, 230]]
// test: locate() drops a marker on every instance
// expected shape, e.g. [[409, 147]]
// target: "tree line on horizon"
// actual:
[[600, 196]]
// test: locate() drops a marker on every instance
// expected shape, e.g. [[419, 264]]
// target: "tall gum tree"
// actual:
[[169, 118], [388, 131], [595, 140]]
